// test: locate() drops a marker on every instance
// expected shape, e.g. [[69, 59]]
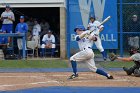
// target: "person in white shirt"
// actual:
[[93, 25], [48, 41], [8, 18], [35, 32], [86, 53]]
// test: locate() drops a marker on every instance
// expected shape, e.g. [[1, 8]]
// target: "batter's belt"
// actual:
[[87, 47]]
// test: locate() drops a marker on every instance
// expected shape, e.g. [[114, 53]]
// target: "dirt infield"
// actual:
[[14, 81]]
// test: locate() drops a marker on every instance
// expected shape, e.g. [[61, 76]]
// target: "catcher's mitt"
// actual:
[[112, 56]]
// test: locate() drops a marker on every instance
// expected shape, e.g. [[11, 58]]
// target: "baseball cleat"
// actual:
[[73, 76], [105, 59], [127, 71], [110, 77]]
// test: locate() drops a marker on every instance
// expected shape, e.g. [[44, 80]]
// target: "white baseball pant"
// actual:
[[86, 55]]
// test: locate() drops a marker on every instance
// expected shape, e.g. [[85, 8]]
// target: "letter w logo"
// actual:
[[85, 6]]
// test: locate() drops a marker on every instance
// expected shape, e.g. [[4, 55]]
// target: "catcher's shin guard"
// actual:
[[137, 73], [129, 71]]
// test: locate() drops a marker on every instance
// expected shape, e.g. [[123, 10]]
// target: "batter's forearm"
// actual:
[[82, 35], [101, 30]]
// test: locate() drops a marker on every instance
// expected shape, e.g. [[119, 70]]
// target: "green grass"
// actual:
[[33, 64], [55, 63], [116, 64]]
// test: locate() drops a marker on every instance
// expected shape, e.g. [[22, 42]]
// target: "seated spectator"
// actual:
[[3, 44], [48, 42]]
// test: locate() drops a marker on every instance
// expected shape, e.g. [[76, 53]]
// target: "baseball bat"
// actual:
[[104, 21]]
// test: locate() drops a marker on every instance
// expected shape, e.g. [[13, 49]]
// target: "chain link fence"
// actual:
[[130, 29]]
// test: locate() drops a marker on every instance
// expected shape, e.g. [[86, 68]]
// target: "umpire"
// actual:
[[135, 57]]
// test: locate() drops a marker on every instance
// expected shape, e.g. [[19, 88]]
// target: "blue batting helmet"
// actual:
[[80, 27], [92, 17]]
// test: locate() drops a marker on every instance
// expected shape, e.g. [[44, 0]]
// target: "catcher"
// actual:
[[135, 57]]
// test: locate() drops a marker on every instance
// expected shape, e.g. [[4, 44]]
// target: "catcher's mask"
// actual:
[[133, 50]]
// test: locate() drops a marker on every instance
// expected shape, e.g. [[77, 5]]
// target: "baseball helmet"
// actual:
[[133, 49], [92, 17], [80, 27]]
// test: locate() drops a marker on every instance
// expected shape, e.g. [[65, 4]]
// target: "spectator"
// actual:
[[44, 25], [48, 42], [30, 24], [134, 26], [21, 27], [43, 33], [35, 32], [3, 44], [8, 18]]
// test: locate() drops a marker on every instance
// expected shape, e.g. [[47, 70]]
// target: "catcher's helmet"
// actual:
[[133, 50], [80, 27]]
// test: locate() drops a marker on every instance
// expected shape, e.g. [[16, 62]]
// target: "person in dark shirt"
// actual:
[[134, 26]]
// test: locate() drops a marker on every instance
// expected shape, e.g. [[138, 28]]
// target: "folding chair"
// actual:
[[31, 45]]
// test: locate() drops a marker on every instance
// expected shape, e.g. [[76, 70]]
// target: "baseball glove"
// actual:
[[112, 56]]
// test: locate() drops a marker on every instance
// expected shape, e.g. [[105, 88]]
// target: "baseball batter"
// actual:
[[85, 54], [94, 25]]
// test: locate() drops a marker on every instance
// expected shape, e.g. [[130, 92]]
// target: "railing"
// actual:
[[21, 35]]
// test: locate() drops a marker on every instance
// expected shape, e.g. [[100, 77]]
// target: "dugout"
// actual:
[[51, 10]]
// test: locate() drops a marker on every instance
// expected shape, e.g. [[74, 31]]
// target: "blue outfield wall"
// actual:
[[79, 11]]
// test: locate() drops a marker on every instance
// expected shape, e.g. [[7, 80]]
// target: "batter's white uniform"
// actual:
[[46, 39], [86, 54], [94, 26]]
